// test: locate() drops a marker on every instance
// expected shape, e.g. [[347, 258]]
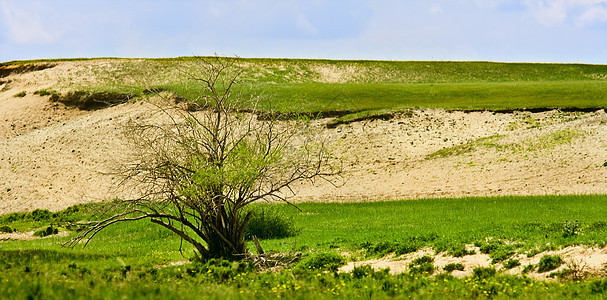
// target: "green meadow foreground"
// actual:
[[434, 132], [139, 260]]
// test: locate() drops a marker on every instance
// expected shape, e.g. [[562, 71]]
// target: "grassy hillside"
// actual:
[[353, 86]]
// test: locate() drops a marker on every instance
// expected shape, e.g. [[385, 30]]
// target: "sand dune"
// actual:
[[52, 156]]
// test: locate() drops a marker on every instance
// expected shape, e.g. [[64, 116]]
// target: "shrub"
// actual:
[[406, 247], [459, 250], [12, 217], [512, 263], [497, 250], [501, 255], [362, 271], [6, 229], [46, 231], [381, 249], [422, 269], [444, 277], [571, 228], [453, 266], [88, 100], [489, 247], [597, 226], [528, 269], [549, 262], [423, 259], [45, 92], [483, 273], [20, 94], [598, 286], [323, 261], [219, 269], [269, 223], [565, 273], [385, 248], [422, 265], [40, 215]]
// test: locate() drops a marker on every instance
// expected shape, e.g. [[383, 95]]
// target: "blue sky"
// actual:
[[494, 30]]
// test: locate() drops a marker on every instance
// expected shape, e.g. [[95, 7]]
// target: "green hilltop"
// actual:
[[353, 86]]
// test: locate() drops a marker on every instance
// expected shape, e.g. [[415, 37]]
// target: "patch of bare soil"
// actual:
[[579, 260], [29, 235], [437, 153], [53, 156]]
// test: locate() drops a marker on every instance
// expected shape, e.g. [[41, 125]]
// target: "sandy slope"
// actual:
[[52, 156], [514, 154]]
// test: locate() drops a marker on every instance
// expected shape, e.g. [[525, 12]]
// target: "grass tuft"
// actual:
[[20, 94], [549, 263]]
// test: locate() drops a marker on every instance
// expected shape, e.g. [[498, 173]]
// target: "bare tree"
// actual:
[[198, 170]]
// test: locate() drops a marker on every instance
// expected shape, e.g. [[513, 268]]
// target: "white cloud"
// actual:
[[489, 3], [596, 15], [25, 27], [436, 8], [579, 12]]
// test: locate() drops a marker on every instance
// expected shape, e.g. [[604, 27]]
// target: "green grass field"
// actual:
[[326, 86], [133, 259]]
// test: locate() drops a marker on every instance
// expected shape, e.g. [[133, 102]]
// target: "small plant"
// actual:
[[40, 215], [548, 263], [489, 247], [46, 231], [6, 229], [512, 263], [483, 273], [405, 248], [605, 164], [497, 250], [398, 248], [422, 260], [460, 251], [12, 217], [528, 269], [422, 265], [453, 266], [45, 92], [501, 255], [269, 223], [571, 228], [380, 249], [218, 269], [362, 271], [323, 261], [575, 270], [20, 94], [422, 269]]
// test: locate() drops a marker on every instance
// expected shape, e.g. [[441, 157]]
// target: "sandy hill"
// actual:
[[53, 156]]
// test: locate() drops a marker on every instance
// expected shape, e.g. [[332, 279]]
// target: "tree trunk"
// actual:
[[226, 235]]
